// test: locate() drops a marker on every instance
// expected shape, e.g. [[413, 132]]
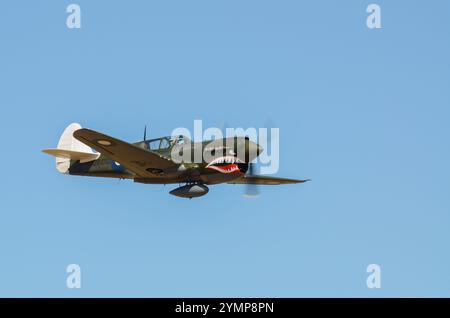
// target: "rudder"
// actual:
[[73, 146]]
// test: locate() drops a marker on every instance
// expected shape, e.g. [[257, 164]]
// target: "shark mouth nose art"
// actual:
[[227, 164]]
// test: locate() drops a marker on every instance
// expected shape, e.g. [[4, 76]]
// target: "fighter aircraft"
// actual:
[[165, 160]]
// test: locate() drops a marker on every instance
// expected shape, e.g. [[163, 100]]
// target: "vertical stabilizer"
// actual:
[[68, 142]]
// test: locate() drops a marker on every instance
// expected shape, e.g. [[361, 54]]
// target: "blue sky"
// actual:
[[364, 113]]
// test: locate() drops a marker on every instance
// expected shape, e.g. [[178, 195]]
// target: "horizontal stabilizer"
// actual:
[[72, 155]]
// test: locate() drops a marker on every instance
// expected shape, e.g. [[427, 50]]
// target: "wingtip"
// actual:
[[80, 130], [46, 151]]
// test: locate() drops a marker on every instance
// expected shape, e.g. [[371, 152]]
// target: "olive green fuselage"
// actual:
[[190, 164]]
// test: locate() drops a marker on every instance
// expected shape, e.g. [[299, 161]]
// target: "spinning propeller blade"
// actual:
[[251, 190]]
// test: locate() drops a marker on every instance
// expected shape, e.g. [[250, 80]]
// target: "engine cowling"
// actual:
[[190, 191]]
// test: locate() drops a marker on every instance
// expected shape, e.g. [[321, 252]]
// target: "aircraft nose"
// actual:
[[259, 149], [254, 150]]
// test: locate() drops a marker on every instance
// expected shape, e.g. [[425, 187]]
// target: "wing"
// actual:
[[135, 159], [247, 179]]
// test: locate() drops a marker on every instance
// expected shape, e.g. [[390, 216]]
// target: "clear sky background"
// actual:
[[364, 113]]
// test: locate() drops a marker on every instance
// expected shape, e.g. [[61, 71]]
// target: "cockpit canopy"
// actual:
[[166, 142]]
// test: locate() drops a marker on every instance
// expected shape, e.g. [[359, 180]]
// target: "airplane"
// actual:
[[85, 152]]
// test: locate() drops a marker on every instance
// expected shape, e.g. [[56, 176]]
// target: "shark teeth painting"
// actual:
[[226, 164]]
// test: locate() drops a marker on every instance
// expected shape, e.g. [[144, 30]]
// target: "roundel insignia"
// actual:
[[104, 142], [117, 166]]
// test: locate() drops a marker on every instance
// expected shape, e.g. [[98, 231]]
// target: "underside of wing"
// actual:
[[267, 180], [134, 158]]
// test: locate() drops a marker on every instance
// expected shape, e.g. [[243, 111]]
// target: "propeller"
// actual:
[[269, 124], [251, 190]]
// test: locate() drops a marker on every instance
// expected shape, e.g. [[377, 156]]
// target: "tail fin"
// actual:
[[70, 148]]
